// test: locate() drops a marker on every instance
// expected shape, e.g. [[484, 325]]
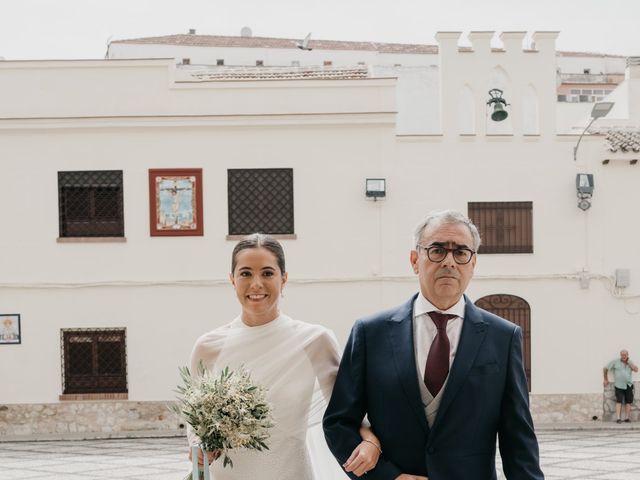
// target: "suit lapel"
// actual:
[[474, 330], [401, 336]]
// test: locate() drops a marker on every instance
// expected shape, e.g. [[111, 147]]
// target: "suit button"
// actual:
[[431, 450]]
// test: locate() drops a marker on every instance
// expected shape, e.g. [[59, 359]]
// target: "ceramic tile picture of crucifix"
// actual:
[[175, 202]]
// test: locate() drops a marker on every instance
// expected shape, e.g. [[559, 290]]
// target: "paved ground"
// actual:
[[611, 454]]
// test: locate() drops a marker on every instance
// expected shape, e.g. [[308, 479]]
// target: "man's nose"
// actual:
[[448, 259]]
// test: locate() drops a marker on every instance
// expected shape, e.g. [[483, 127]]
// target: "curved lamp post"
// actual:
[[599, 110]]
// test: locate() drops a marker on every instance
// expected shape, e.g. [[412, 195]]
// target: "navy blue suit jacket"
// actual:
[[485, 396]]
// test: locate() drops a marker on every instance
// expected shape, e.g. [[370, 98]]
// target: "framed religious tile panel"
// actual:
[[175, 202]]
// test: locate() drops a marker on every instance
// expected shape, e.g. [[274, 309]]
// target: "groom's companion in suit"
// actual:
[[438, 378]]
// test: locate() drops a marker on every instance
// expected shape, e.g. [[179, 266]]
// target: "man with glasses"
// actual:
[[438, 378]]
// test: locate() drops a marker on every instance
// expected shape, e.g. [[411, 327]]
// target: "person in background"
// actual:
[[622, 369]]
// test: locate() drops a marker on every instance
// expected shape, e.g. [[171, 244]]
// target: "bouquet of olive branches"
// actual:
[[226, 411]]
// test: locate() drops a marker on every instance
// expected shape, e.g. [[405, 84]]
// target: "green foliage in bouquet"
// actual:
[[226, 412]]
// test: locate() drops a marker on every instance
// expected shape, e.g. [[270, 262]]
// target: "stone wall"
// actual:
[[579, 408], [569, 408], [86, 417], [119, 418]]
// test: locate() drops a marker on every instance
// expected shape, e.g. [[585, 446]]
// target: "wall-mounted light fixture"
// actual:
[[376, 188], [584, 187], [499, 113]]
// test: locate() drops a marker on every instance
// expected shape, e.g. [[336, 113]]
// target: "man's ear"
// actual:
[[413, 258]]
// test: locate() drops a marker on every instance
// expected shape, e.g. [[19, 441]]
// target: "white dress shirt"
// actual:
[[424, 331]]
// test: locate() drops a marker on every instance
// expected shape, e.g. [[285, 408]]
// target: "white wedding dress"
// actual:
[[297, 363]]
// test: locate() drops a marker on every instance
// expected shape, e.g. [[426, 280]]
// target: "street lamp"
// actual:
[[599, 110]]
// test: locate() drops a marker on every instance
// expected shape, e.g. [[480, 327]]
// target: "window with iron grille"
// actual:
[[260, 200], [94, 361], [505, 227], [90, 203]]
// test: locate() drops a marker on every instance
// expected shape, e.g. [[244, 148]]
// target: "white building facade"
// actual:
[[554, 264]]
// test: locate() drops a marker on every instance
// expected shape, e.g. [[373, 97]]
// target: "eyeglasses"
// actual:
[[436, 253]]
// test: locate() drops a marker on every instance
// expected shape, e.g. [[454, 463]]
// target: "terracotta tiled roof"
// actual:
[[406, 48], [193, 40], [623, 141], [562, 53], [268, 42], [275, 73]]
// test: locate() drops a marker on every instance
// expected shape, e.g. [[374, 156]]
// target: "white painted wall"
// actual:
[[418, 89], [350, 257], [270, 56], [597, 63]]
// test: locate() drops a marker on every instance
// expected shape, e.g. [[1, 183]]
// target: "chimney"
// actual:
[[192, 31]]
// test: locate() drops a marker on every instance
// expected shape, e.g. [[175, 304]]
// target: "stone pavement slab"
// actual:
[[601, 454]]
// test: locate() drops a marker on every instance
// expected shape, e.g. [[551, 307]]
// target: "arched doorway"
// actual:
[[516, 310]]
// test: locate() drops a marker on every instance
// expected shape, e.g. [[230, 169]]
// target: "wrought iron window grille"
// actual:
[[90, 203], [260, 200], [94, 360], [505, 227]]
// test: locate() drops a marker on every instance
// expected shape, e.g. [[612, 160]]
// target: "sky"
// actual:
[[61, 29]]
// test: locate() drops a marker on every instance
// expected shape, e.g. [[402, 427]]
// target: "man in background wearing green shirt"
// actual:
[[622, 369]]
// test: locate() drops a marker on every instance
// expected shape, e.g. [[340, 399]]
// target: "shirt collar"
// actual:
[[422, 306]]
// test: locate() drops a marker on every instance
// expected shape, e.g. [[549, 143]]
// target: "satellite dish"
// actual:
[[246, 32]]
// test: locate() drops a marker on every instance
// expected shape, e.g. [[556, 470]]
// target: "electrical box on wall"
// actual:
[[623, 277]]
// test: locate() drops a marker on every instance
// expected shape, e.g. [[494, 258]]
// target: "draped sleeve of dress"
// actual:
[[297, 363]]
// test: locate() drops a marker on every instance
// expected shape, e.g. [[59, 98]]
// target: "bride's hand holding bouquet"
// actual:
[[226, 412]]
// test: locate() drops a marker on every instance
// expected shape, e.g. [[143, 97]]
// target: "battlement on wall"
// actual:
[[512, 42]]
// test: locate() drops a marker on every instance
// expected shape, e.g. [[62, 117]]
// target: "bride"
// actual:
[[297, 362]]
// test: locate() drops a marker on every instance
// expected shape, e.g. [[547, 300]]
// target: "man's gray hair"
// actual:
[[447, 217]]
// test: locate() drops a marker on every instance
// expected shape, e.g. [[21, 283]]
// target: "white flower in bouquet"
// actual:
[[226, 412]]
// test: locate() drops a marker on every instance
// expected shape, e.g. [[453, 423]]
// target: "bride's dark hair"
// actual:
[[259, 240]]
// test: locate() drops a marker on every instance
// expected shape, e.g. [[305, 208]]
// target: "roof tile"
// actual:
[[194, 40], [220, 74], [623, 141], [268, 42]]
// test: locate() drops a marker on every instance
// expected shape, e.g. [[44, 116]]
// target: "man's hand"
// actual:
[[406, 476]]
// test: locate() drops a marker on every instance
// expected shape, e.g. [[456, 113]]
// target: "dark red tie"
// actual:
[[437, 367]]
